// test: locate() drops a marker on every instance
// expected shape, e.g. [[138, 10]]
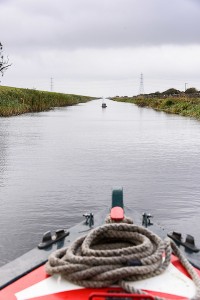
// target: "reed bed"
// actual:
[[15, 101], [185, 106]]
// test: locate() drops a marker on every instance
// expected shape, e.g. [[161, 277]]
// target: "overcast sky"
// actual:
[[101, 47]]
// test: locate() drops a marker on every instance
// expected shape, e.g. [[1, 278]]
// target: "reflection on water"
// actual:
[[56, 165], [3, 150]]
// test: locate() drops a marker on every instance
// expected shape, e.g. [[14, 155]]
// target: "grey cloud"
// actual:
[[96, 46], [73, 24]]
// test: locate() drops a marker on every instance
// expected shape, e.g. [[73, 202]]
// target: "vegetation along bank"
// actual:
[[171, 101], [16, 101]]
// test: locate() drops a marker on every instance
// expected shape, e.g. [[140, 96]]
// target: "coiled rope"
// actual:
[[116, 254]]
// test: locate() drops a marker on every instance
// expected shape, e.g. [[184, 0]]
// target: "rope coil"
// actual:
[[116, 254]]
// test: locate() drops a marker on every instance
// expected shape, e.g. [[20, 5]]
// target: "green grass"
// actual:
[[15, 101], [185, 106]]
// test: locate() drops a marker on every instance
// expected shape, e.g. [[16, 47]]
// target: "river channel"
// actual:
[[57, 165]]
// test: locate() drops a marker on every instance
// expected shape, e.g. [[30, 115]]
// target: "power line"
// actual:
[[51, 84], [186, 86], [141, 91]]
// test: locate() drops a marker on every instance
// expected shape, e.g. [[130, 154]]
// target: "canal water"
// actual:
[[57, 165]]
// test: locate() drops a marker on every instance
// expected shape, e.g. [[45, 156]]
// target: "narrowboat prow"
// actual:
[[110, 255]]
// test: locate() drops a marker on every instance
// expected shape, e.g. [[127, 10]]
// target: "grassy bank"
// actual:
[[16, 101], [184, 106]]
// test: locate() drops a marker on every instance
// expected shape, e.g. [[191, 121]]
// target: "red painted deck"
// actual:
[[78, 293]]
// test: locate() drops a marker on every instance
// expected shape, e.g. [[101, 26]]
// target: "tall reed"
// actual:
[[15, 101], [185, 106]]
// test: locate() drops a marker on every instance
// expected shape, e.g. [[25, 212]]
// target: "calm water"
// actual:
[[56, 165]]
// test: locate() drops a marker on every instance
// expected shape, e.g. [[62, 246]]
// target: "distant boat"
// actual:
[[104, 104]]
